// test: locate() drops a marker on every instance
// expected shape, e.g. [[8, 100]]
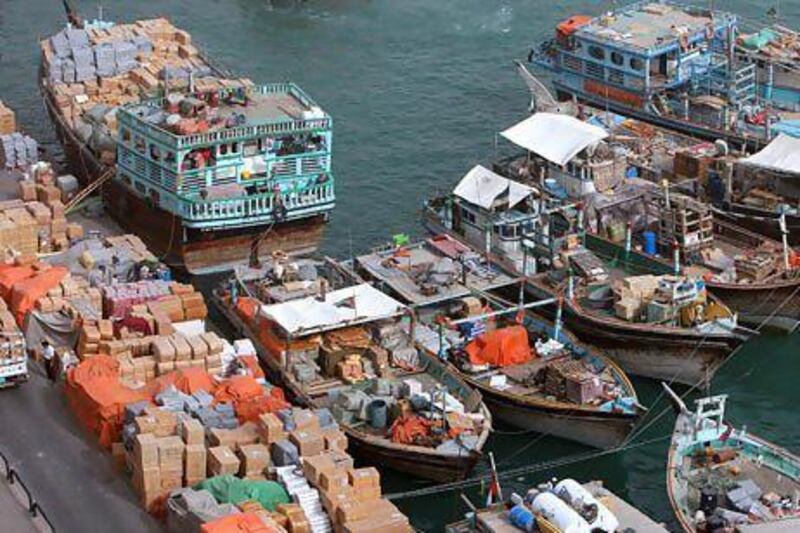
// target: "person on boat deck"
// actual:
[[97, 277], [50, 361]]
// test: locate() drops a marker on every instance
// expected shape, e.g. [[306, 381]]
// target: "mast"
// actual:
[[73, 17]]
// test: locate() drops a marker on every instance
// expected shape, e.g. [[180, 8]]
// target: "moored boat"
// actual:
[[723, 477], [559, 505], [350, 350], [209, 170], [532, 374], [669, 64], [687, 349], [756, 277]]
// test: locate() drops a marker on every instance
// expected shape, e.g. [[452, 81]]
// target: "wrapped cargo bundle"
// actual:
[[18, 150]]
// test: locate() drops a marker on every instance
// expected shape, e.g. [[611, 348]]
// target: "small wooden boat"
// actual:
[[722, 478], [310, 338], [564, 389], [667, 350], [557, 507], [754, 275]]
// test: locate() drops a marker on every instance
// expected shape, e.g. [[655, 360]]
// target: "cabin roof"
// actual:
[[358, 304], [555, 137], [649, 25], [481, 186], [782, 154]]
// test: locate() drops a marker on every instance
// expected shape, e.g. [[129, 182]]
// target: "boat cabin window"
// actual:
[[139, 145], [509, 231], [126, 135], [597, 52], [234, 148], [223, 149], [617, 58], [170, 157], [636, 63], [250, 148], [468, 215], [155, 153]]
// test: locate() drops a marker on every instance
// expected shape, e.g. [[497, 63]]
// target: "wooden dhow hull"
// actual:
[[423, 463], [197, 252], [679, 355]]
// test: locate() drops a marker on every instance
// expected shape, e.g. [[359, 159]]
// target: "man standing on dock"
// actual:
[[50, 362]]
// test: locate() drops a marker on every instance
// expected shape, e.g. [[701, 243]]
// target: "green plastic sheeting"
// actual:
[[759, 40], [230, 489]]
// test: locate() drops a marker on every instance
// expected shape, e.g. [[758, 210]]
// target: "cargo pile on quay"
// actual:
[[602, 240]]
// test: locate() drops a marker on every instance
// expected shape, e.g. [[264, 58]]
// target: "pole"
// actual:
[[515, 309], [570, 285], [785, 240], [559, 313], [628, 237], [676, 258]]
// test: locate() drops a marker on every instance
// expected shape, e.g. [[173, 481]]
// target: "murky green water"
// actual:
[[417, 90]]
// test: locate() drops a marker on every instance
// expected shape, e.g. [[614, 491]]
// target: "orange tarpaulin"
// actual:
[[237, 523], [9, 275], [253, 368], [249, 398], [246, 308], [98, 399], [186, 380], [25, 293], [502, 347], [408, 428]]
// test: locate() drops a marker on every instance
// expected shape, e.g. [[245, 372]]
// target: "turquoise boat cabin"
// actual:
[[229, 158]]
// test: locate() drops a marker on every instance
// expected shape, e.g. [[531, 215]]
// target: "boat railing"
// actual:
[[236, 134], [256, 207]]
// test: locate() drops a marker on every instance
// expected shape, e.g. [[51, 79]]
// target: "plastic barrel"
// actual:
[[377, 414], [523, 518], [649, 242]]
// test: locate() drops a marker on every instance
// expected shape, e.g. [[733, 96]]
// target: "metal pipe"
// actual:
[[570, 286], [532, 305]]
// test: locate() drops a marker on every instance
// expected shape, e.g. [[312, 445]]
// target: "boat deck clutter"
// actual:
[[352, 351], [722, 477]]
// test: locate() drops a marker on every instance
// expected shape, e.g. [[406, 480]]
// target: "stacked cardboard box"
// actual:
[[119, 65], [221, 461], [254, 460]]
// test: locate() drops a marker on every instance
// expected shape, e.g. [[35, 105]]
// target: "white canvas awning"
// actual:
[[557, 138], [482, 187], [782, 154], [343, 307]]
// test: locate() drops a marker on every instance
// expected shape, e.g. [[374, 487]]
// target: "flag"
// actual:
[[495, 491]]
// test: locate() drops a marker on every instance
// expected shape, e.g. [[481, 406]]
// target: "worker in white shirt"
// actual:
[[50, 361]]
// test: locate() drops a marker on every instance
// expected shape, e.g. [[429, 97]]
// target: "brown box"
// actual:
[[308, 442], [254, 459], [191, 431], [195, 462], [183, 352], [198, 346], [270, 428], [333, 480], [313, 466], [221, 460], [305, 420], [147, 480], [364, 478], [145, 448], [335, 439], [170, 453]]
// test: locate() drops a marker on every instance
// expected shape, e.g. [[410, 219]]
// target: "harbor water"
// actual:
[[417, 90]]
